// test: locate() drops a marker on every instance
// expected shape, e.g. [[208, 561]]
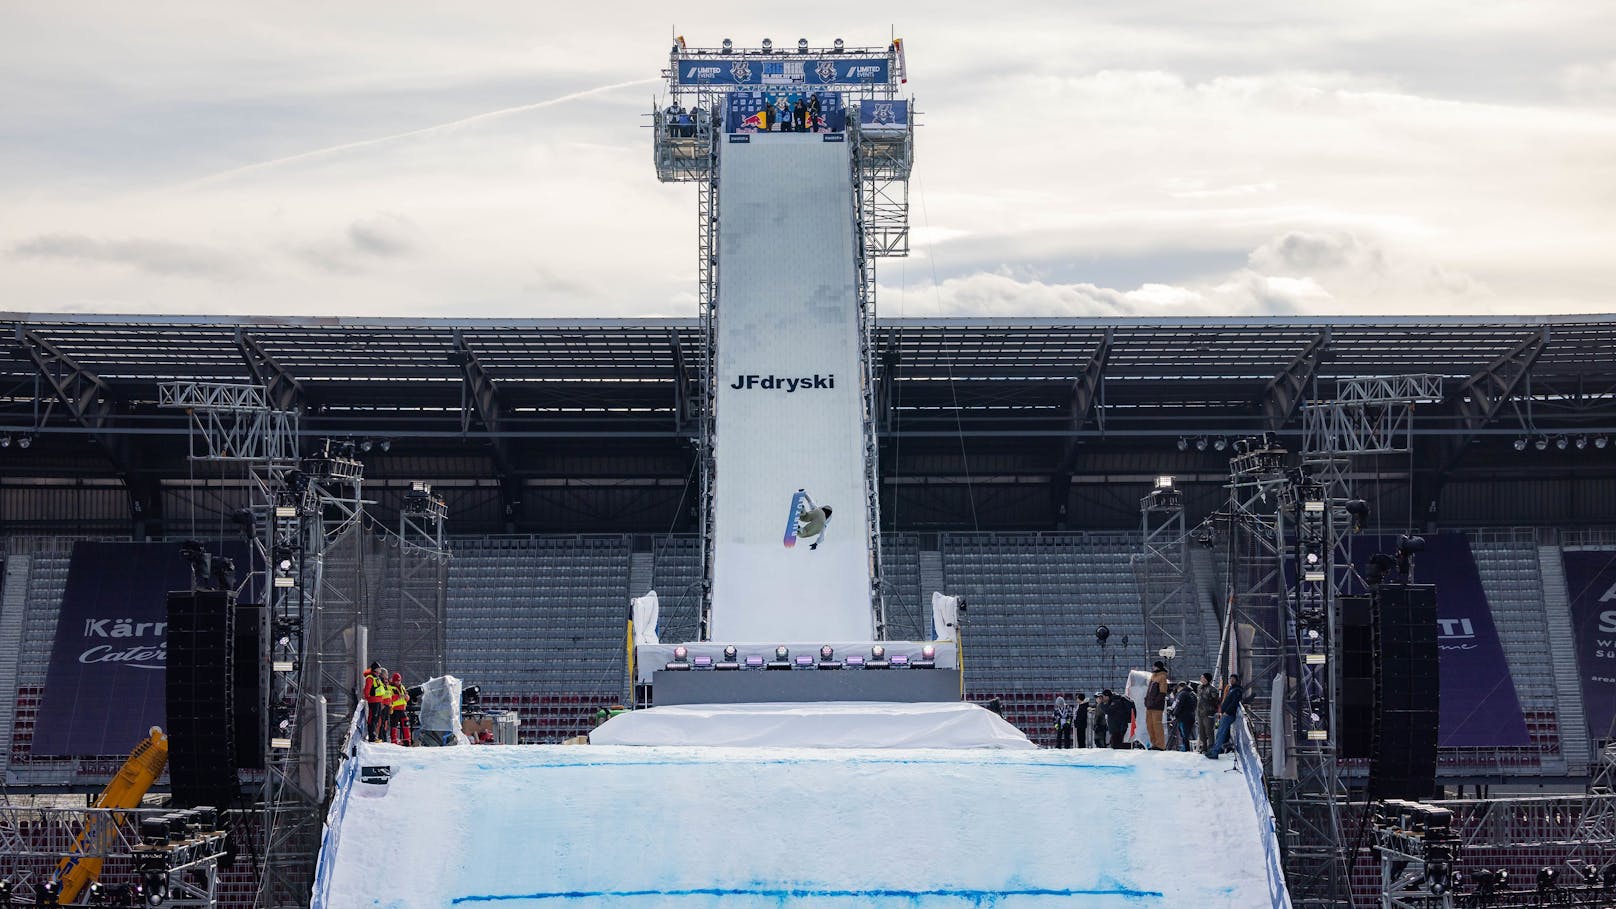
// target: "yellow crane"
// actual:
[[145, 764]]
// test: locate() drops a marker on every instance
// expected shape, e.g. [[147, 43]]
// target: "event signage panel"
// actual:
[[877, 114], [105, 685], [1591, 587], [754, 70], [1478, 702]]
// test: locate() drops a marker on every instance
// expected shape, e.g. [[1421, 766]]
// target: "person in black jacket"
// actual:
[[1206, 712], [1184, 715], [1228, 712], [1063, 723], [1119, 715], [1080, 723]]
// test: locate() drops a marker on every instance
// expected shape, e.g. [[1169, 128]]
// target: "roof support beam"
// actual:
[[480, 396], [687, 405], [1479, 400], [284, 390], [1085, 398], [89, 401], [1285, 392]]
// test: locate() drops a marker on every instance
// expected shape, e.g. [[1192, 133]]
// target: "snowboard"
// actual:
[[791, 518]]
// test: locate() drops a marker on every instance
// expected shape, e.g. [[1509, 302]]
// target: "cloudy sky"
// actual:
[[1154, 157]]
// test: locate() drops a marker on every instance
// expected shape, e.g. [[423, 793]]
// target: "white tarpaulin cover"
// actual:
[[846, 724], [646, 611], [603, 827], [944, 616], [440, 704], [1138, 682], [789, 405]]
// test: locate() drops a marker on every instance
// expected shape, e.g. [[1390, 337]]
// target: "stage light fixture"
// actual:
[[1183, 443], [729, 652], [386, 444], [1601, 442], [365, 445], [681, 653], [728, 47], [1561, 442], [1167, 652], [827, 652], [802, 45], [1101, 635], [767, 45], [48, 893], [878, 652], [1582, 442], [854, 662], [928, 652], [681, 659], [837, 45], [1221, 443], [1242, 446], [1164, 482], [1520, 444], [899, 661], [1359, 510], [803, 661], [24, 441], [701, 662], [753, 662], [1200, 443], [781, 652], [1541, 443], [5, 441]]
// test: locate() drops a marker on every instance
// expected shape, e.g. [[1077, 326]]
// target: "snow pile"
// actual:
[[835, 724], [599, 826]]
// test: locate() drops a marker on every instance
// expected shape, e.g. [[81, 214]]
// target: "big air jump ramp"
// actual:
[[634, 827]]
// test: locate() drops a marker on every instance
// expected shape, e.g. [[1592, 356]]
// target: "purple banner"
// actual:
[[1591, 587], [105, 686], [1479, 705]]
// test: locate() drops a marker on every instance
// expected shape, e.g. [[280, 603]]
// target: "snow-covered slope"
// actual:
[[636, 827]]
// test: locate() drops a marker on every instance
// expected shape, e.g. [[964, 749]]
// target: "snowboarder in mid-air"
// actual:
[[811, 520]]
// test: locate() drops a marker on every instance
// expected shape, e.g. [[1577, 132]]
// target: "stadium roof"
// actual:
[[1022, 391]]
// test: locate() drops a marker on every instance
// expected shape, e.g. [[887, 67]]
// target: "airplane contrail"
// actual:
[[425, 130]]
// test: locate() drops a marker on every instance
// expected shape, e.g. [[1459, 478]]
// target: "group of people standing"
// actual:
[[387, 702], [1176, 714]]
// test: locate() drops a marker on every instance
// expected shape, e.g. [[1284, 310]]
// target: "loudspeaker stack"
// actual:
[[201, 694]]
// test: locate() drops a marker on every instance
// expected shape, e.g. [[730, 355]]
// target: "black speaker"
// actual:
[[201, 689], [1407, 691], [248, 698], [1355, 711]]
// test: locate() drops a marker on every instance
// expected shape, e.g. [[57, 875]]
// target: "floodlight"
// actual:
[[1164, 482], [47, 893], [386, 444], [5, 441], [1242, 446], [365, 445], [837, 45], [1200, 443], [928, 658], [1582, 442], [729, 653], [781, 653], [1541, 443], [928, 652], [681, 653], [1561, 442], [728, 47], [1221, 443], [827, 652], [1312, 558], [1183, 443], [802, 45], [1520, 444], [878, 652], [1601, 442], [24, 441], [767, 45]]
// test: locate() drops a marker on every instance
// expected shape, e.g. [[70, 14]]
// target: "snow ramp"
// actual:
[[640, 827], [788, 394]]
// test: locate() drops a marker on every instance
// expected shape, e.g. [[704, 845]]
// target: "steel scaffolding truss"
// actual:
[[1162, 570], [232, 422]]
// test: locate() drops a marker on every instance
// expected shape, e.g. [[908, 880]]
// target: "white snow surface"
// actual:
[[718, 828], [788, 309], [835, 724]]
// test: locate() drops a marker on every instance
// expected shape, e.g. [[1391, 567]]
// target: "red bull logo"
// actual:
[[759, 120]]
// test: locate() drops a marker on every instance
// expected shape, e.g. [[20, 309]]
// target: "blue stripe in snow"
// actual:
[[1051, 765], [979, 897]]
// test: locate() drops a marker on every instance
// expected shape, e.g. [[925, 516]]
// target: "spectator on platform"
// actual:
[[1184, 715], [814, 121], [1228, 712], [1155, 703], [1119, 715], [782, 113], [378, 704], [399, 726], [1080, 720], [799, 116], [1206, 711], [1063, 722], [1097, 721]]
